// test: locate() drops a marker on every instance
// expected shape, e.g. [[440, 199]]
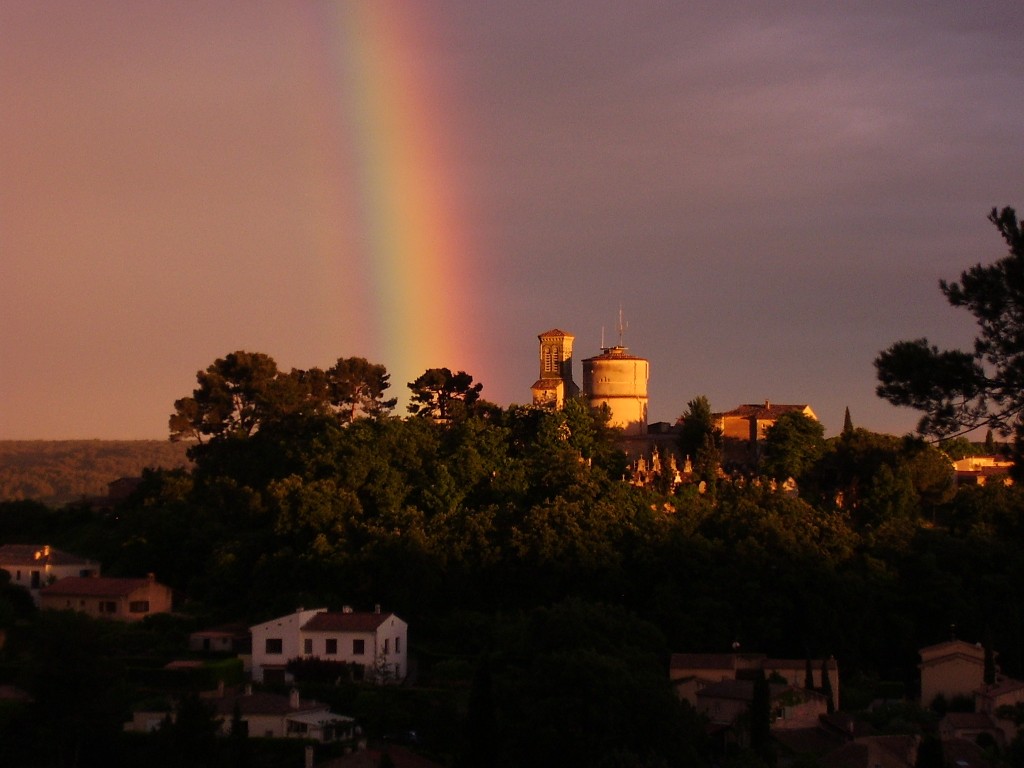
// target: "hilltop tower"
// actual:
[[618, 380], [555, 382]]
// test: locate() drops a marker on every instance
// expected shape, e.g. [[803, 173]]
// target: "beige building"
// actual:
[[555, 383], [691, 673], [722, 703], [103, 597], [951, 669], [744, 429]]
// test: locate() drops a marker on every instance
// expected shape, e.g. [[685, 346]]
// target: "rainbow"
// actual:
[[379, 158]]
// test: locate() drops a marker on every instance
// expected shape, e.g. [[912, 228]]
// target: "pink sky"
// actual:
[[772, 196]]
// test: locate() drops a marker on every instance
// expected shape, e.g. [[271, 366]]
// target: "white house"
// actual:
[[377, 643], [276, 641], [34, 566]]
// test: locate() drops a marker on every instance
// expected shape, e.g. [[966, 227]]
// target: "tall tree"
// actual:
[[792, 445], [440, 394], [357, 387], [959, 391], [234, 395], [700, 439], [826, 687]]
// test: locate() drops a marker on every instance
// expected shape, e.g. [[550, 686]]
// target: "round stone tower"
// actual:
[[618, 380]]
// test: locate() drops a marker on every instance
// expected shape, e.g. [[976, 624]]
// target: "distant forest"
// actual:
[[56, 472]]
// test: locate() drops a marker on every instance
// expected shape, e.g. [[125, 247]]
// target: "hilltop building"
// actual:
[[555, 383], [745, 427], [617, 380], [614, 379]]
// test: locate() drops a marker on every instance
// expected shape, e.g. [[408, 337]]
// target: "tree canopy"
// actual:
[[958, 391], [440, 394]]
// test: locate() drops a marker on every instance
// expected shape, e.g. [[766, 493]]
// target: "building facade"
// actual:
[[555, 382], [375, 644], [34, 566], [103, 597], [617, 380]]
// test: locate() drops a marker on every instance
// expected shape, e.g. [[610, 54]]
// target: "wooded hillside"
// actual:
[[56, 472]]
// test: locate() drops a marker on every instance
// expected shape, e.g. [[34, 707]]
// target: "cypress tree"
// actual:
[[989, 677], [826, 686], [760, 720]]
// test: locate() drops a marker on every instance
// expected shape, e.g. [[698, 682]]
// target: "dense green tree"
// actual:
[[576, 682], [77, 686], [792, 445], [695, 425], [957, 447], [356, 387], [960, 391], [232, 398], [440, 394], [877, 477]]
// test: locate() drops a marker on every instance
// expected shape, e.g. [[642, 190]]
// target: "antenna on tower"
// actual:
[[602, 337], [623, 325]]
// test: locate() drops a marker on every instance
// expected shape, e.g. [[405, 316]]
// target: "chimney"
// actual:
[[376, 608], [151, 576], [767, 405]]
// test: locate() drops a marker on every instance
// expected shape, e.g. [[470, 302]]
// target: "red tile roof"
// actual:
[[263, 703], [333, 621], [94, 586], [709, 660], [763, 410]]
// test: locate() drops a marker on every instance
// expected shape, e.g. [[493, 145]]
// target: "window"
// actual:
[[307, 645], [138, 606], [358, 647], [332, 646], [398, 645], [387, 646], [108, 606], [35, 580], [274, 645]]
